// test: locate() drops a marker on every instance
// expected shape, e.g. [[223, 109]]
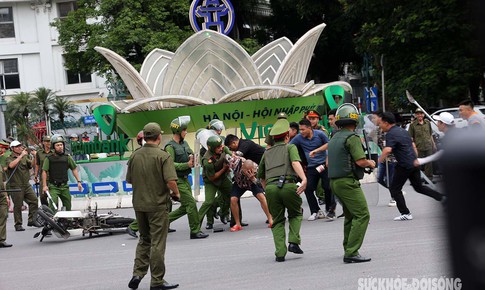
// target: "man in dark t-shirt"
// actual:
[[400, 144]]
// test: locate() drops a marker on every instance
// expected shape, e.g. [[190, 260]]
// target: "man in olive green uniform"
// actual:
[[18, 170], [215, 172], [3, 212], [39, 162], [4, 153], [346, 163], [279, 169], [422, 135], [183, 157], [55, 167], [151, 172]]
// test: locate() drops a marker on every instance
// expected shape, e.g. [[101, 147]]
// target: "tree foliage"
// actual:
[[62, 107], [131, 28], [426, 46]]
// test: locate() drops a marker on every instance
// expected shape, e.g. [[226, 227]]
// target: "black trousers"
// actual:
[[313, 176], [402, 174]]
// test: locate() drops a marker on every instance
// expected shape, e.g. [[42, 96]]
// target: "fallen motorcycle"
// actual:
[[65, 224]]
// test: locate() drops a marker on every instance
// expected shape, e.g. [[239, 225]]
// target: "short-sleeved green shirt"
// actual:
[[209, 167], [355, 148], [22, 173], [293, 153], [3, 158], [149, 170], [40, 156], [71, 163]]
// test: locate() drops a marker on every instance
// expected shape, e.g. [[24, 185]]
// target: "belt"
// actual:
[[286, 181], [58, 184]]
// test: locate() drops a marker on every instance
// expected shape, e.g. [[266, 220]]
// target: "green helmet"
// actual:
[[179, 124], [216, 124], [57, 139], [213, 142], [347, 114]]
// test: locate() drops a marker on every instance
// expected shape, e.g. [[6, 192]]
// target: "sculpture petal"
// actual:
[[268, 59], [154, 68]]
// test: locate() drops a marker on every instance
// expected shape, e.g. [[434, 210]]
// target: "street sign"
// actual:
[[127, 186], [105, 187], [74, 190], [371, 99], [89, 120]]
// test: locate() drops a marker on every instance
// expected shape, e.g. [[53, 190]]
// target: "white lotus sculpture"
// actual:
[[211, 68]]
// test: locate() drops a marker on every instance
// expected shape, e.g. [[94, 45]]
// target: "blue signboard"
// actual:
[[213, 13], [89, 120], [74, 190], [127, 186], [371, 99], [105, 187]]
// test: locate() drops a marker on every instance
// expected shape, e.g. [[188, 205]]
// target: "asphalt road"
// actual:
[[241, 260]]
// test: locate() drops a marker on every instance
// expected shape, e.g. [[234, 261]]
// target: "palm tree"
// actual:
[[62, 107], [20, 109], [44, 98]]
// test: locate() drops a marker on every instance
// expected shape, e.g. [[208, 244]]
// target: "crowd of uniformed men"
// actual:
[[290, 165]]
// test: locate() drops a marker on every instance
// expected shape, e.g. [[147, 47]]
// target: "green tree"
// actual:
[[131, 28], [426, 46], [44, 98], [63, 107], [22, 112]]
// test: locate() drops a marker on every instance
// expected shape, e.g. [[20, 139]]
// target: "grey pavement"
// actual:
[[240, 260]]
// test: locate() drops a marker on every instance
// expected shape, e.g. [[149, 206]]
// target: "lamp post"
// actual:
[[3, 109]]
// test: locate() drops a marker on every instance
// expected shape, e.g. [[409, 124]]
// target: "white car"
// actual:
[[458, 120]]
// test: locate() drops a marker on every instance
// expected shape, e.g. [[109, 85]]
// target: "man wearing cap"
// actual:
[[3, 212], [422, 135], [314, 145], [314, 118], [54, 173], [399, 142], [39, 162], [151, 172], [18, 172], [279, 169], [183, 157], [4, 153]]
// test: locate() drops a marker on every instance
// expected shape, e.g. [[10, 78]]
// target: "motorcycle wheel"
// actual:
[[50, 221], [119, 222]]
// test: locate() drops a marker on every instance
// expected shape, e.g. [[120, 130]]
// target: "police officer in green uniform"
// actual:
[[18, 171], [151, 172], [215, 172], [279, 169], [346, 163], [183, 157], [3, 212], [39, 162], [55, 167]]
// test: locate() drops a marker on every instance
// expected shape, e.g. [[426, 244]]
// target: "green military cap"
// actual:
[[4, 144], [46, 138], [280, 127], [151, 130], [282, 115]]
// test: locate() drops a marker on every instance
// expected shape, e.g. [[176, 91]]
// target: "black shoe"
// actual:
[[134, 282], [171, 230], [244, 224], [356, 259], [224, 220], [209, 227], [199, 235], [164, 286], [280, 259], [5, 245], [216, 215], [19, 228], [34, 224], [131, 232], [294, 248], [340, 216]]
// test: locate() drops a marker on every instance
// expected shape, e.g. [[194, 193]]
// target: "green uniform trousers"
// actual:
[[428, 167], [188, 206], [26, 194], [3, 216], [61, 192], [279, 200], [357, 215], [150, 251], [210, 200]]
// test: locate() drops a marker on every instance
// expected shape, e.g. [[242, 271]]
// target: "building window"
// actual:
[[77, 77], [65, 7], [6, 23], [9, 74]]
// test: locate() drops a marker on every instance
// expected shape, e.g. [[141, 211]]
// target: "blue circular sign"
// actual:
[[216, 14]]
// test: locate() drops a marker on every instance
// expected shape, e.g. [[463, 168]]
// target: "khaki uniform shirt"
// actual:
[[22, 173], [149, 170], [421, 134], [40, 156]]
